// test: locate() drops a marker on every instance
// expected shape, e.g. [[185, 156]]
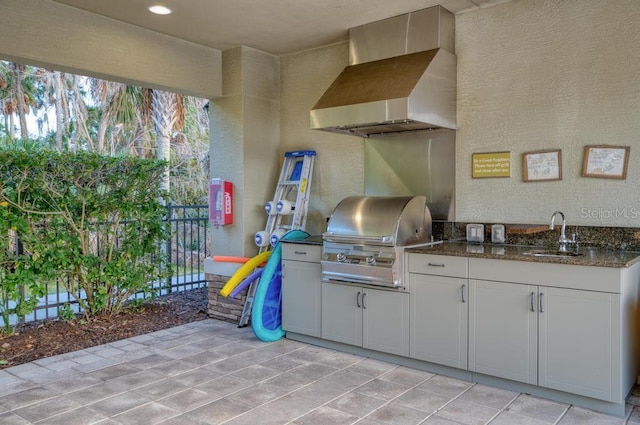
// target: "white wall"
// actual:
[[244, 143], [532, 75], [48, 34], [339, 166], [549, 74]]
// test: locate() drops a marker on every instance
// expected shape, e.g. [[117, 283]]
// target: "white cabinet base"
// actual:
[[374, 318]]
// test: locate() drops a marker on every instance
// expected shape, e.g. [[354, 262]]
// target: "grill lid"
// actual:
[[380, 220]]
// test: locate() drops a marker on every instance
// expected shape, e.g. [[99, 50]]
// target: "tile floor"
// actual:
[[212, 372]]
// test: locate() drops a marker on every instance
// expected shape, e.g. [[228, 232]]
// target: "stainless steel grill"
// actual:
[[366, 237]]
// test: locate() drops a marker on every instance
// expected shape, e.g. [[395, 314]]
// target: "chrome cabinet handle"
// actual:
[[435, 264], [464, 290], [364, 297], [532, 297], [300, 252], [541, 302], [358, 299]]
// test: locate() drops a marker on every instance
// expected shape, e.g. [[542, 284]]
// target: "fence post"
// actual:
[[19, 250], [168, 249]]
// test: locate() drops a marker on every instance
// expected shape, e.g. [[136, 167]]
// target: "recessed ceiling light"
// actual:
[[160, 10]]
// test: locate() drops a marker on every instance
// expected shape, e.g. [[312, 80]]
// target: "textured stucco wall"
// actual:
[[52, 35], [244, 143], [339, 165], [549, 74]]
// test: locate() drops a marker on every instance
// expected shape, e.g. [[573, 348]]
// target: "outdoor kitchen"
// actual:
[[432, 294]]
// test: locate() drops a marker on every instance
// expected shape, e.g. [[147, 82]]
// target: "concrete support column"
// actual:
[[245, 139]]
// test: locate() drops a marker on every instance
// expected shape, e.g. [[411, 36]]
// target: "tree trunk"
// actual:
[[22, 108], [139, 137], [57, 86], [82, 115], [7, 124], [11, 130], [164, 117]]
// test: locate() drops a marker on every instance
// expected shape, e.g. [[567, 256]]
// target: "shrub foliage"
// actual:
[[91, 222]]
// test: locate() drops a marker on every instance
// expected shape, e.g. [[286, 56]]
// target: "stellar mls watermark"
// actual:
[[610, 213]]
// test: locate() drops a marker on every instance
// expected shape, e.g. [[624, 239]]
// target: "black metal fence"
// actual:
[[188, 246], [186, 249]]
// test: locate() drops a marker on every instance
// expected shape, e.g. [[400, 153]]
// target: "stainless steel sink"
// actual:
[[551, 253]]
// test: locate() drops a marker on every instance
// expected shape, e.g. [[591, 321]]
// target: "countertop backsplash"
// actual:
[[614, 238]]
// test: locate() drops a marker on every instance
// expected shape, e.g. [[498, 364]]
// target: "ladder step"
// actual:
[[298, 154]]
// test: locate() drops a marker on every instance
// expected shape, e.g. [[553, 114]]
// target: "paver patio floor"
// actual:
[[212, 372]]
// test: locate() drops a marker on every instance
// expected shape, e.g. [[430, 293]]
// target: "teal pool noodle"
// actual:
[[265, 312]]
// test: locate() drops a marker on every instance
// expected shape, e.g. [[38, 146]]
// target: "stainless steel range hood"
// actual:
[[401, 77]]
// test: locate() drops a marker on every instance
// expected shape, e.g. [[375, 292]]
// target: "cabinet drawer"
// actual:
[[588, 278], [441, 265], [301, 252]]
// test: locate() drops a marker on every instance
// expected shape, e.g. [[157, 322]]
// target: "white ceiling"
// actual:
[[278, 27]]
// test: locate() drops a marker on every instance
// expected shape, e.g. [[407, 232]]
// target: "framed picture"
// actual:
[[542, 166], [605, 162]]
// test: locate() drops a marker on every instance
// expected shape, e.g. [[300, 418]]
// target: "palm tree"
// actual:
[[123, 116], [106, 94], [167, 113], [81, 135], [52, 90], [17, 94], [118, 119], [5, 106]]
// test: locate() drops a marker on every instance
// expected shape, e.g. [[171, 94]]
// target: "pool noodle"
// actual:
[[246, 282], [230, 259], [268, 274], [245, 270]]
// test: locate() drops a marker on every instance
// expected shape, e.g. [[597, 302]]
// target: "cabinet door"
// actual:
[[342, 313], [503, 330], [439, 319], [385, 317], [301, 297], [578, 351]]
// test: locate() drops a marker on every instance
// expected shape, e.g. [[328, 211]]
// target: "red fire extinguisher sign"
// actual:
[[220, 202]]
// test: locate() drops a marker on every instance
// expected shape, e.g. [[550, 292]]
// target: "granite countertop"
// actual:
[[588, 256]]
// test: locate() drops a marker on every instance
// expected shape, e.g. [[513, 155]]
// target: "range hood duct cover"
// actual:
[[403, 92]]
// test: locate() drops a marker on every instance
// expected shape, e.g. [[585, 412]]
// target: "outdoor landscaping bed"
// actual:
[[33, 341]]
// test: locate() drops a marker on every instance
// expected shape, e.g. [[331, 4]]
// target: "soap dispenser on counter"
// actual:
[[475, 232], [497, 233]]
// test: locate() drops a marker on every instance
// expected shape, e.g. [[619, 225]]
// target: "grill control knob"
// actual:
[[371, 261], [341, 257]]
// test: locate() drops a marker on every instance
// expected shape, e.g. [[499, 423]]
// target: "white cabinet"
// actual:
[[503, 330], [385, 321], [561, 338], [578, 341], [342, 313], [439, 309], [377, 319], [301, 289]]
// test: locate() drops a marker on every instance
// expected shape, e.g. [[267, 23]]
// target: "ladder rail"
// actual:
[[285, 189]]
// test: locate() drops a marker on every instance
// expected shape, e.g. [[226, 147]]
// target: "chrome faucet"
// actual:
[[563, 237]]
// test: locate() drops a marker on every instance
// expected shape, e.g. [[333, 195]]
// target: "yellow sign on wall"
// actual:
[[491, 164]]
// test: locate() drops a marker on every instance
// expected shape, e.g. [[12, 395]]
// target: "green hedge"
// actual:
[[94, 223]]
